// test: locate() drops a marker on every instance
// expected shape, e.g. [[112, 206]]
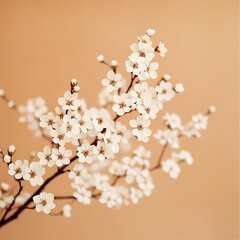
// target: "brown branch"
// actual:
[[158, 165], [8, 209], [131, 83]]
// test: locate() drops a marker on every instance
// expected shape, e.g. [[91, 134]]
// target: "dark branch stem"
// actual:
[[59, 172], [13, 202], [158, 165], [132, 80]]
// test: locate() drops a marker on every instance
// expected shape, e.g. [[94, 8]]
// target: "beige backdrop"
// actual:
[[45, 43]]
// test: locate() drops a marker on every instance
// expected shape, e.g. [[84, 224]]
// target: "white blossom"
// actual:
[[172, 120], [69, 101], [44, 202], [165, 91], [83, 195], [168, 136], [113, 82], [61, 156], [85, 152], [122, 104], [5, 200], [162, 49], [200, 121], [170, 166], [140, 128], [35, 173], [19, 169], [45, 157]]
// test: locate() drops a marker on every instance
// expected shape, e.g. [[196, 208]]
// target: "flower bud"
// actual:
[[4, 186], [2, 93], [150, 32], [212, 109], [100, 58], [167, 77], [74, 82], [7, 159], [76, 89], [11, 150], [179, 88], [114, 63], [11, 104]]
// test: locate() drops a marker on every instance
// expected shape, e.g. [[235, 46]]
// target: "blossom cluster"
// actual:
[[86, 142]]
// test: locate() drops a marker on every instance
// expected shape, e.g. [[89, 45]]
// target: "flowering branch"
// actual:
[[98, 137]]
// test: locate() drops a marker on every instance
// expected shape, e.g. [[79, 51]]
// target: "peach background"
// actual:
[[44, 44]]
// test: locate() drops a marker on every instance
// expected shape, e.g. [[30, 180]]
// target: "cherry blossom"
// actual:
[[45, 157], [140, 128], [165, 91], [19, 169], [113, 82], [44, 202], [93, 146], [61, 156]]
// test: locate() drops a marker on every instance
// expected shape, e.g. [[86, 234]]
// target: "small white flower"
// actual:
[[111, 197], [5, 200], [19, 169], [148, 109], [168, 136], [85, 152], [200, 121], [69, 101], [103, 151], [36, 106], [122, 104], [113, 82], [22, 198], [161, 49], [44, 202], [83, 195], [170, 166], [151, 70], [165, 91], [59, 136], [61, 156], [140, 128], [76, 172], [122, 133], [70, 126], [45, 157], [185, 156], [101, 119], [67, 210], [135, 194], [172, 120], [35, 173], [137, 66], [47, 121]]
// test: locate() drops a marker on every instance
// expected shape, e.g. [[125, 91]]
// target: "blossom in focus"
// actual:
[[44, 202]]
